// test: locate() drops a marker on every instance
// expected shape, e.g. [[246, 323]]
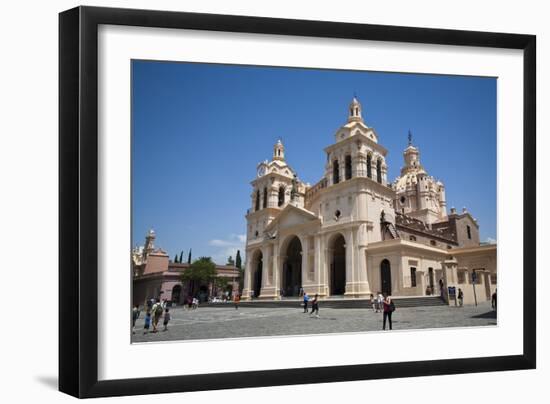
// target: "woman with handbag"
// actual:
[[389, 308]]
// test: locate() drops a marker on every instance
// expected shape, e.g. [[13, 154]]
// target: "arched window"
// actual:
[[257, 200], [348, 167], [379, 171], [265, 198], [369, 166], [281, 196], [335, 172]]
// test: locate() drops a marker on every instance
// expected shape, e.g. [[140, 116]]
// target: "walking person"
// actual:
[[373, 303], [157, 313], [147, 322], [460, 297], [237, 300], [166, 318], [389, 308], [380, 302], [315, 306], [306, 300], [494, 301], [135, 316]]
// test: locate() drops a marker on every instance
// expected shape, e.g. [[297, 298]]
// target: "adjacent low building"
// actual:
[[155, 276], [353, 233]]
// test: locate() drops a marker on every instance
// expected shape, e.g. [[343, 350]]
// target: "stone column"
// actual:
[[421, 282], [362, 287], [450, 277], [273, 197], [277, 278], [360, 165], [373, 167], [316, 259], [265, 267], [247, 280], [324, 268], [384, 170], [305, 262], [350, 264], [269, 285]]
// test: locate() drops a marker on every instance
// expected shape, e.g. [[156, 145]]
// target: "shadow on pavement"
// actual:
[[489, 314]]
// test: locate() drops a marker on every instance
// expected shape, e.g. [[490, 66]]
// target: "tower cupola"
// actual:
[[279, 151], [411, 156], [355, 111]]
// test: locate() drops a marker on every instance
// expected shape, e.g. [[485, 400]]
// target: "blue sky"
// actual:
[[199, 131]]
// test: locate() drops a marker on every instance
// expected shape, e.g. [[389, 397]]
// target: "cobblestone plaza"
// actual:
[[223, 321]]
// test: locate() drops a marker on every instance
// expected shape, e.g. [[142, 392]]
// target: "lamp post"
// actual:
[[474, 279]]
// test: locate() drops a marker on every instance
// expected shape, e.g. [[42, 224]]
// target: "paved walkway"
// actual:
[[224, 321]]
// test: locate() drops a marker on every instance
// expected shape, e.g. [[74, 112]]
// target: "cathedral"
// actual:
[[354, 233]]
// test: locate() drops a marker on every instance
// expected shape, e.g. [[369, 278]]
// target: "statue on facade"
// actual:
[[294, 189]]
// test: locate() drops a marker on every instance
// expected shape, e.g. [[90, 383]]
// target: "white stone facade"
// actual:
[[339, 237]]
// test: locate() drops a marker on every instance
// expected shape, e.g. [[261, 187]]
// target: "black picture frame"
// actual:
[[78, 200]]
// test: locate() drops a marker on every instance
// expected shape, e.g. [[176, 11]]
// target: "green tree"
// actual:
[[238, 261], [181, 256], [238, 264], [176, 259], [202, 270], [189, 257], [230, 261]]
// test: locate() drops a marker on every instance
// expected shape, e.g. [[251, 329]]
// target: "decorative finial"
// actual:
[[410, 137]]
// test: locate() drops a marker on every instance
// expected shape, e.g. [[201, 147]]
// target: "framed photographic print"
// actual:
[[264, 202]]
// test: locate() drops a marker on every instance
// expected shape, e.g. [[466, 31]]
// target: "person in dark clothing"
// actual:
[[388, 310], [460, 297], [494, 300], [315, 306]]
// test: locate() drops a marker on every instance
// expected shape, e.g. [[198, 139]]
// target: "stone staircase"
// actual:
[[344, 303]]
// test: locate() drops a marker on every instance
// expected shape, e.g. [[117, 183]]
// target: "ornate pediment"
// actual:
[[290, 216]]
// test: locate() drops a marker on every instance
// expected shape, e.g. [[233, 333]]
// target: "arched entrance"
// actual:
[[385, 277], [292, 268], [338, 265], [257, 273], [176, 294]]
